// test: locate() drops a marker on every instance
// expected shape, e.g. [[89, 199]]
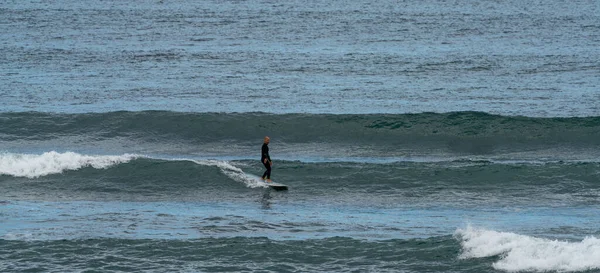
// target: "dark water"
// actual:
[[374, 137], [414, 136], [168, 191], [460, 184], [247, 254]]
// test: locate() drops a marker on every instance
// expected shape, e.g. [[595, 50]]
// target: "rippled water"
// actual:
[[509, 57], [414, 136]]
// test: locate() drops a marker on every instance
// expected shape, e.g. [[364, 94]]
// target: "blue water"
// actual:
[[275, 219], [414, 136], [510, 58]]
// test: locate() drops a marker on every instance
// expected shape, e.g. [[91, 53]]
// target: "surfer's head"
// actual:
[[267, 139]]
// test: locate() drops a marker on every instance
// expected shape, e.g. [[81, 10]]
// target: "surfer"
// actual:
[[266, 159]]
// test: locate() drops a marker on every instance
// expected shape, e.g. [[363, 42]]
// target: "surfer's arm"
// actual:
[[268, 160], [265, 154]]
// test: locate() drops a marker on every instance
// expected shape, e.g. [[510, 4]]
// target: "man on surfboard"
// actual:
[[266, 159]]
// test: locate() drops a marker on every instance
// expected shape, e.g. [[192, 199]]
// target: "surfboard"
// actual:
[[277, 186], [256, 180]]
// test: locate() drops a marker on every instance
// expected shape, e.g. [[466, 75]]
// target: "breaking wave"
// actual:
[[526, 253]]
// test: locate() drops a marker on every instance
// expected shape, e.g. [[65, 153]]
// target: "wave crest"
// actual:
[[234, 173], [33, 165], [526, 253]]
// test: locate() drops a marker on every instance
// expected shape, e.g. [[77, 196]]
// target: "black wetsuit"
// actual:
[[265, 155]]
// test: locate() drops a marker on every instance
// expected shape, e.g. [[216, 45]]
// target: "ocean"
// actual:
[[414, 136]]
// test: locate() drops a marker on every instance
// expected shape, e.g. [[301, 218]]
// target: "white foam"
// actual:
[[526, 253], [234, 173], [36, 165]]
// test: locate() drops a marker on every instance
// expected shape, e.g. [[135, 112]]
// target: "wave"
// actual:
[[473, 132], [526, 253], [53, 162], [475, 249], [49, 163], [234, 173], [32, 165], [130, 176]]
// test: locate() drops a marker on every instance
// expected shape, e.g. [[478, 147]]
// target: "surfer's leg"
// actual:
[[267, 173]]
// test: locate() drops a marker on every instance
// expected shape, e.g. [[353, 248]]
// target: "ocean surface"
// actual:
[[414, 136]]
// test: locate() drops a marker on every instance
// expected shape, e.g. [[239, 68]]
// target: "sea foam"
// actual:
[[234, 173], [36, 165], [526, 253]]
